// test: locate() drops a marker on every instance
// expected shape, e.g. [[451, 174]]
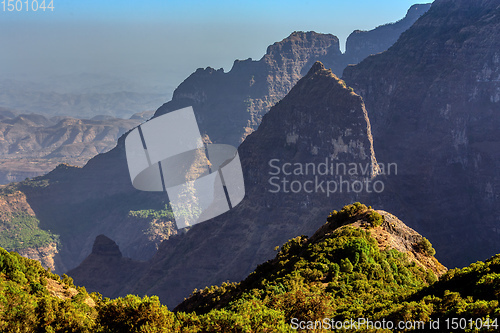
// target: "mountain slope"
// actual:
[[319, 120], [341, 272], [98, 198], [433, 100], [349, 242], [360, 44]]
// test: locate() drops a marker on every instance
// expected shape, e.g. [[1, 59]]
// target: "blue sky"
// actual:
[[170, 38]]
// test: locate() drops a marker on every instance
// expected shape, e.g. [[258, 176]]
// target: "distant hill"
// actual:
[[33, 144], [79, 96]]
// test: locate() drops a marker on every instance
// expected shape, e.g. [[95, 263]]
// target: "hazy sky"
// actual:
[[169, 39]]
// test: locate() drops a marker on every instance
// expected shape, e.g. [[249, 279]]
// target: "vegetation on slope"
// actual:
[[339, 273], [21, 229]]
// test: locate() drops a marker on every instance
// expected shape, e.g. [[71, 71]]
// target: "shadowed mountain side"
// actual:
[[319, 119], [80, 203], [434, 105], [229, 106], [360, 44], [105, 267]]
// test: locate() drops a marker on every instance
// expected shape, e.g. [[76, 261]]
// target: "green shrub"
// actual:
[[375, 219], [426, 246]]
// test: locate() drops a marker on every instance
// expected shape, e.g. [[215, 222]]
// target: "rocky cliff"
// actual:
[[229, 106], [434, 104], [360, 44], [320, 122]]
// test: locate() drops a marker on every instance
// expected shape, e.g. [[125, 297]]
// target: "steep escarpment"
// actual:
[[320, 121], [229, 106], [20, 231], [434, 104], [360, 44]]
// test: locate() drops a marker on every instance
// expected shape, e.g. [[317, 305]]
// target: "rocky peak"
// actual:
[[319, 121], [245, 93], [390, 233], [104, 246]]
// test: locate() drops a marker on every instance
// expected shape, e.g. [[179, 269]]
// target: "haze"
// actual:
[[157, 44]]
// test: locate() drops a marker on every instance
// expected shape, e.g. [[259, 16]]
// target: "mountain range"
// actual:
[[406, 91], [428, 105], [32, 144], [229, 106], [101, 192]]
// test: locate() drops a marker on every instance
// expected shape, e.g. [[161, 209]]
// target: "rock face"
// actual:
[[360, 44], [20, 231], [319, 120], [229, 106], [47, 255], [434, 104], [103, 246]]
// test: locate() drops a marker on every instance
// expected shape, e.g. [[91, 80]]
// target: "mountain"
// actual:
[[32, 144], [351, 235], [77, 204], [320, 121], [229, 106], [347, 268], [101, 191], [360, 44], [434, 105]]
